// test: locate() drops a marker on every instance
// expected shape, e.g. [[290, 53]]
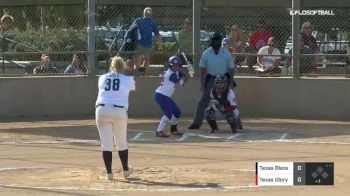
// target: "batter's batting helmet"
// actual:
[[221, 82], [175, 60]]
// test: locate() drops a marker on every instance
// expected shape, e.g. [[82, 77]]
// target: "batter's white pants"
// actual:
[[112, 127]]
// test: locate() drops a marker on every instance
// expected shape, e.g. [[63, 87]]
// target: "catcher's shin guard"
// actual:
[[239, 122], [209, 114], [213, 125], [232, 121]]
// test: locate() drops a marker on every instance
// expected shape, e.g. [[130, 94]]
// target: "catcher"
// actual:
[[223, 104]]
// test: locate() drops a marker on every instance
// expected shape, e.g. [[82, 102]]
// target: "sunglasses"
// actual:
[[271, 44]]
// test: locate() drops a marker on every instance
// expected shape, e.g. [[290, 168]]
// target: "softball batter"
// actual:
[[111, 114], [173, 76]]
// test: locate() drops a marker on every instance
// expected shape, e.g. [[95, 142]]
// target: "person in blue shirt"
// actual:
[[215, 60], [144, 47]]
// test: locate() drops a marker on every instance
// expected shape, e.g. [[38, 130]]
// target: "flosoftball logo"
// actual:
[[311, 12]]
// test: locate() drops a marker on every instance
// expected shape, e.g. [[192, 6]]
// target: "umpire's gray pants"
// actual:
[[203, 102]]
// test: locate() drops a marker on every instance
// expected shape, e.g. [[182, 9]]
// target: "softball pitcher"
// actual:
[[112, 116]]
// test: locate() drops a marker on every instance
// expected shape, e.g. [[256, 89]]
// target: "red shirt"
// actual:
[[259, 39]]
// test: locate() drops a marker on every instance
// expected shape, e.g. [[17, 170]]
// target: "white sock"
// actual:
[[174, 120], [162, 123]]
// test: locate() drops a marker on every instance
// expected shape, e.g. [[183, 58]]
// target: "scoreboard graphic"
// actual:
[[294, 173]]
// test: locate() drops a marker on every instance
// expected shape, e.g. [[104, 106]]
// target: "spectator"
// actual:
[[214, 61], [269, 63], [6, 24], [225, 43], [185, 36], [146, 28], [237, 43], [308, 38], [6, 31], [258, 39], [307, 63], [77, 66], [45, 66]]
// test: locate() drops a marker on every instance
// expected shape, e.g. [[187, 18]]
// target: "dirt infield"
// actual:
[[63, 158]]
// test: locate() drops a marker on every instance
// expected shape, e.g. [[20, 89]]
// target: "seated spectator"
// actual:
[[6, 31], [258, 39], [225, 43], [45, 66], [77, 66], [237, 42], [309, 40], [307, 63], [269, 63], [6, 24]]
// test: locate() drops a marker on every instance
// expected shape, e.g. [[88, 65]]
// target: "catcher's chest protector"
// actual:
[[221, 98]]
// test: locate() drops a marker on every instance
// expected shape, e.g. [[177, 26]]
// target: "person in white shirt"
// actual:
[[112, 114], [269, 63], [172, 77]]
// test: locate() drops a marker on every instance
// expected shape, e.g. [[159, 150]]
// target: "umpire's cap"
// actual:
[[216, 37]]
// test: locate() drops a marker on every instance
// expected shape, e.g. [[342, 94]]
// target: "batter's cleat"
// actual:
[[109, 176], [162, 134], [234, 131], [193, 126], [128, 172], [175, 131]]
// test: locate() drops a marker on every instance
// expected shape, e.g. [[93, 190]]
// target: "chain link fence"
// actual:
[[61, 31]]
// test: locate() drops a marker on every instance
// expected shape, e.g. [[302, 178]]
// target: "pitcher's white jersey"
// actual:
[[114, 88], [169, 82]]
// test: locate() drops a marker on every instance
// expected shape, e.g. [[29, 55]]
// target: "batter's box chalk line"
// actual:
[[245, 137]]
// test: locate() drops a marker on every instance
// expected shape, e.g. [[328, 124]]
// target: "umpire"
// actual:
[[215, 60]]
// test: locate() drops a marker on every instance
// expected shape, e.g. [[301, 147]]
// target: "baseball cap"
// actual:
[[225, 41]]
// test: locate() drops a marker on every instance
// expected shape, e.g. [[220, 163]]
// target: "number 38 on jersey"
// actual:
[[112, 84]]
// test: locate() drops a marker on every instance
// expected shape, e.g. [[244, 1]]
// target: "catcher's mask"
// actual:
[[221, 83], [175, 60]]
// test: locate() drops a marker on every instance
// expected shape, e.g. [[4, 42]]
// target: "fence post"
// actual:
[[295, 39], [197, 6], [91, 56]]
